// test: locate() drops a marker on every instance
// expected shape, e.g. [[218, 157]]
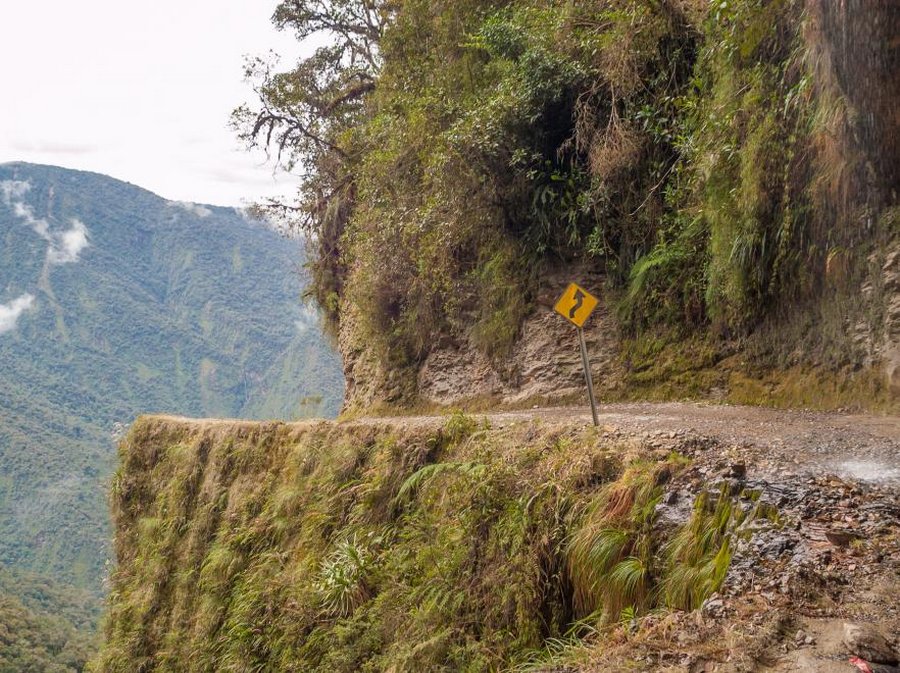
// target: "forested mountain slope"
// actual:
[[114, 301], [44, 627], [723, 174]]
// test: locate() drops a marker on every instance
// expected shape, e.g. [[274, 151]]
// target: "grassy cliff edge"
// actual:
[[424, 545]]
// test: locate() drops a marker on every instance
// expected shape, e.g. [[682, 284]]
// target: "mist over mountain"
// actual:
[[116, 302]]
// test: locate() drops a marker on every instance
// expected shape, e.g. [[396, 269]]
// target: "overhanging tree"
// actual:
[[304, 119]]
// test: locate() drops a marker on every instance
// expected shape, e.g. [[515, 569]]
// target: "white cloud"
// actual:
[[309, 318], [64, 246], [13, 193], [40, 226], [10, 313], [14, 189], [193, 208], [246, 213]]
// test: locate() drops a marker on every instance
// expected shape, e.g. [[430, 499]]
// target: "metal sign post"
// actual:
[[576, 306], [587, 376]]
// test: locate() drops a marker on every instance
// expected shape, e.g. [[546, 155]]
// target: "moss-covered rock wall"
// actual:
[[721, 173]]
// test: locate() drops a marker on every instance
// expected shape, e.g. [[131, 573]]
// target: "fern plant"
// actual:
[[422, 476]]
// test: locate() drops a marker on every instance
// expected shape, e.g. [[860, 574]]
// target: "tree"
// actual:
[[305, 116]]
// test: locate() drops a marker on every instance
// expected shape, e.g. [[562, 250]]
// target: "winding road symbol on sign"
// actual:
[[576, 305], [579, 300]]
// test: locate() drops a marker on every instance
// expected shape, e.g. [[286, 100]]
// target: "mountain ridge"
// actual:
[[26, 165], [146, 304]]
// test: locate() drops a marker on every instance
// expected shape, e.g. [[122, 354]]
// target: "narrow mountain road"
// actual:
[[855, 446], [786, 443], [824, 554]]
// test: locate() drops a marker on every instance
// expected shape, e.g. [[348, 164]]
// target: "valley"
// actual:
[[117, 302]]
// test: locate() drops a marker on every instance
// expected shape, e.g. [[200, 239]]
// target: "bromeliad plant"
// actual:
[[343, 582]]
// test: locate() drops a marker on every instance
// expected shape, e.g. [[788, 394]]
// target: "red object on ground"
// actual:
[[861, 665]]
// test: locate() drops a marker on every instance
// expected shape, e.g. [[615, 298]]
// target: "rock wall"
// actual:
[[889, 355], [850, 333], [859, 327], [544, 363]]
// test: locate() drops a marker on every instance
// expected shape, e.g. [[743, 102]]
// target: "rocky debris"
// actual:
[[813, 551], [802, 638], [817, 545], [841, 538], [736, 471], [713, 607], [809, 543], [804, 524], [867, 643], [674, 509]]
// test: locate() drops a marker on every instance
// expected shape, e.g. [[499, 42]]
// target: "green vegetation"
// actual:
[[155, 315], [44, 628], [39, 594], [356, 547], [620, 565], [714, 159]]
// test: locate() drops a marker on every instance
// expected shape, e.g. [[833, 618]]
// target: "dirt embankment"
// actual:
[[672, 538]]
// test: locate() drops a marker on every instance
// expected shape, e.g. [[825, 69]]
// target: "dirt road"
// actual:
[[860, 447]]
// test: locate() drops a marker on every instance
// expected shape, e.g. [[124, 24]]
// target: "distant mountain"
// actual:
[[115, 302]]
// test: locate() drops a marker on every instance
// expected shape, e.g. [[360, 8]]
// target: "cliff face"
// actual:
[[842, 351], [338, 548], [767, 263], [886, 352], [479, 544], [543, 364]]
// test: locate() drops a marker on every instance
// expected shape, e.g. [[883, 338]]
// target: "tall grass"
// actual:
[[620, 564], [351, 548]]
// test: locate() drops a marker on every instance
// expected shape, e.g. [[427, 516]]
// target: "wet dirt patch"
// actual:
[[870, 471]]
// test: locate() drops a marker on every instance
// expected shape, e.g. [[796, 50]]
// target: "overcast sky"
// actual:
[[141, 91]]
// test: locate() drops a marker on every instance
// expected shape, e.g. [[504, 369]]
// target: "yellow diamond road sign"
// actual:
[[576, 305]]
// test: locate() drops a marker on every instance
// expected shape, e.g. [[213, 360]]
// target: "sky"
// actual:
[[140, 91]]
